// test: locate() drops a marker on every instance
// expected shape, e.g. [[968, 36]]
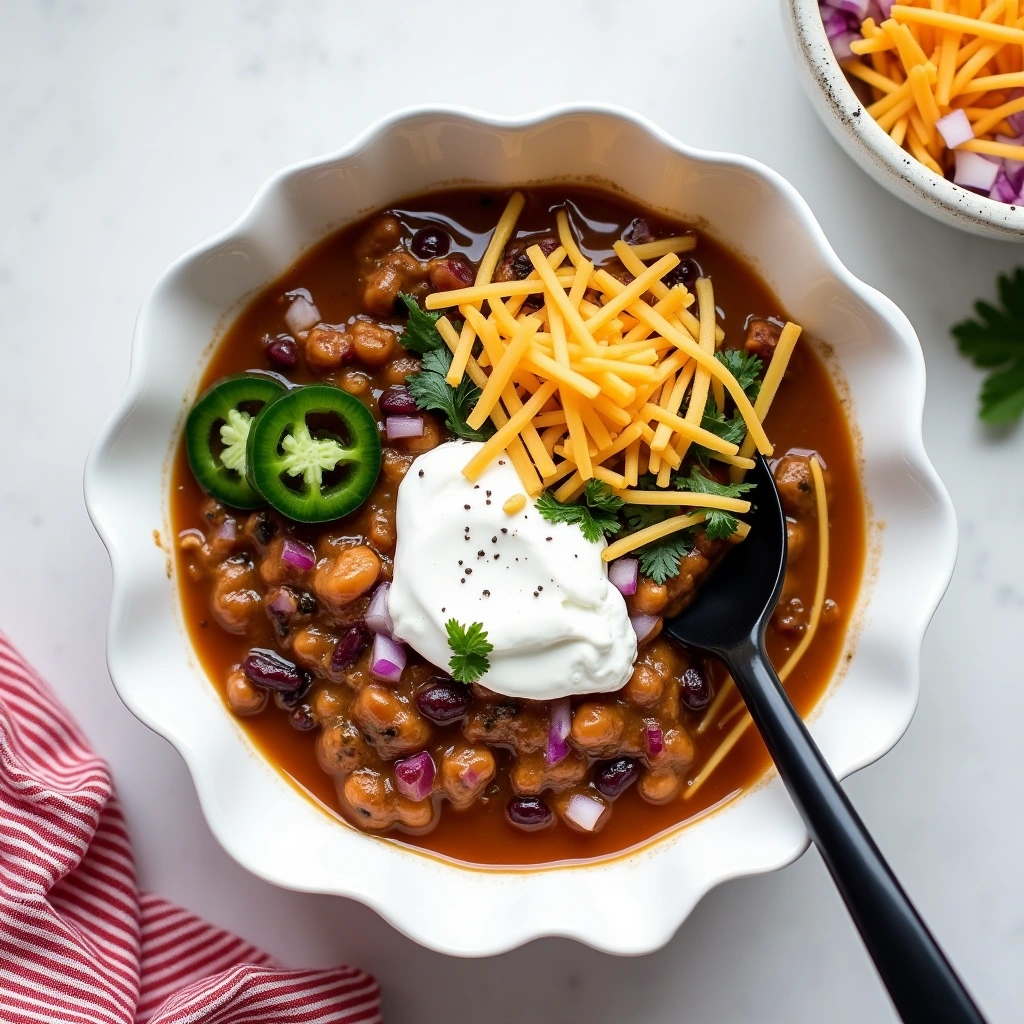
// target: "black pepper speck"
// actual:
[[487, 593], [421, 472], [494, 540], [488, 493], [466, 507], [504, 530], [469, 572]]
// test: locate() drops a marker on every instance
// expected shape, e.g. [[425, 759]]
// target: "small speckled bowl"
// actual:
[[856, 131]]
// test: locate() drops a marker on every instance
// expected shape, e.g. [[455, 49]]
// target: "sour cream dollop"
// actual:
[[540, 589]]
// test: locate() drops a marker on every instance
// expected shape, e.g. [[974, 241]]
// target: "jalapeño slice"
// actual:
[[314, 453], [216, 433]]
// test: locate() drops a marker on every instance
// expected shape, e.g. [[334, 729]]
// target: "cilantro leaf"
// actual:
[[595, 514], [430, 391], [639, 517], [470, 648], [420, 334], [733, 430], [660, 559], [702, 484], [745, 367], [994, 341], [719, 525]]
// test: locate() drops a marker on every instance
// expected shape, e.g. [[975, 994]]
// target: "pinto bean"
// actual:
[[796, 537], [394, 465], [650, 597], [395, 272], [376, 806], [312, 648], [350, 573], [274, 570], [531, 774], [381, 531], [660, 787], [327, 348], [795, 483], [399, 370], [341, 748], [234, 600], [383, 233], [374, 345], [466, 773], [392, 725], [645, 686], [243, 697], [507, 723], [355, 383]]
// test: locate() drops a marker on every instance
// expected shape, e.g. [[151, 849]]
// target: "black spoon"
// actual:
[[729, 622]]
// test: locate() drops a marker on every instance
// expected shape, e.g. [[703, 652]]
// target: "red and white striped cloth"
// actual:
[[78, 942]]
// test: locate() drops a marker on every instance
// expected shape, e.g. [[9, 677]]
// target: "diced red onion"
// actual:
[[584, 811], [1016, 121], [227, 531], [836, 22], [558, 730], [298, 555], [974, 171], [655, 738], [414, 777], [643, 625], [301, 315], [283, 605], [387, 659], [378, 617], [403, 426], [841, 44], [1003, 190], [955, 128], [858, 8], [623, 574]]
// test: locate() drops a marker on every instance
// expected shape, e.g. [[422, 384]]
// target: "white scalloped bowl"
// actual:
[[256, 815]]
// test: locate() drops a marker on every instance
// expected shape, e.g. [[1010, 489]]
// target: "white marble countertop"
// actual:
[[134, 130]]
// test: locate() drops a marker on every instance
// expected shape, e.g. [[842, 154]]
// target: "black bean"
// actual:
[[685, 273], [614, 777], [528, 812], [307, 603], [282, 353], [264, 528], [302, 718], [347, 650], [397, 400], [694, 690], [267, 668], [443, 703], [429, 243]]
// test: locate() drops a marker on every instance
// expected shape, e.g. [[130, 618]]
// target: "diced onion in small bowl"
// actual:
[[955, 128], [623, 574], [387, 659], [398, 427], [643, 626], [301, 315], [974, 171], [298, 555], [585, 811], [378, 617], [414, 776], [558, 731]]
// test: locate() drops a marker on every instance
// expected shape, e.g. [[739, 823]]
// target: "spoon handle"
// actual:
[[922, 984]]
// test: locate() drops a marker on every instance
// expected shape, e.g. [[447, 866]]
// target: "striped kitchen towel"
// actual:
[[78, 942]]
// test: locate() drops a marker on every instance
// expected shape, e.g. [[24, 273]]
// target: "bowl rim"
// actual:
[[965, 209], [931, 585]]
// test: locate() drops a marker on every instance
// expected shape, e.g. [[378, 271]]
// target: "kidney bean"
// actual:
[[455, 272], [694, 690], [429, 243], [267, 668], [398, 400], [443, 702], [616, 776], [349, 647], [282, 353], [528, 812]]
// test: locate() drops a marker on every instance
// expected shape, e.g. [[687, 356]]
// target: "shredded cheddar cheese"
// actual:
[[935, 58]]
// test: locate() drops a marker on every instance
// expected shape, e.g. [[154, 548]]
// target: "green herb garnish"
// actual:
[[470, 648], [719, 525], [420, 334], [994, 341], [596, 513], [660, 559], [702, 484], [430, 390], [745, 367]]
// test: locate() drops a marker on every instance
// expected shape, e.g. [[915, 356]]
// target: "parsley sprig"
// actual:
[[420, 334], [596, 513], [470, 648], [430, 390], [994, 341], [718, 524], [745, 367]]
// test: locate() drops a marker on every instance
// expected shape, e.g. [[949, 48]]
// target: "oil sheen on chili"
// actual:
[[279, 596]]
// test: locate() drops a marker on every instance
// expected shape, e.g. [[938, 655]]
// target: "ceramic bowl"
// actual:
[[871, 148], [257, 816]]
